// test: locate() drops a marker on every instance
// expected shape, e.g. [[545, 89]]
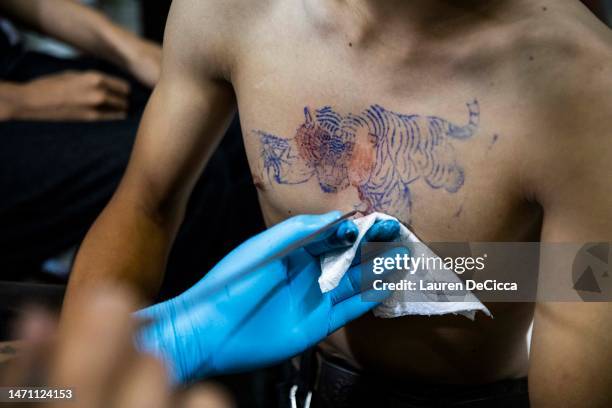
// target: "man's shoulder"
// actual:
[[210, 33], [574, 48], [564, 66], [566, 85], [229, 14]]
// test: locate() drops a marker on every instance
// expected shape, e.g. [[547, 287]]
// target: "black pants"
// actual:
[[55, 178]]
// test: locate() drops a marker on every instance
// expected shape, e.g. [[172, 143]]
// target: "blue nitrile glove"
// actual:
[[273, 313]]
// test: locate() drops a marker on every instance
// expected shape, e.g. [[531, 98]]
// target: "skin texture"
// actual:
[[536, 168], [71, 95]]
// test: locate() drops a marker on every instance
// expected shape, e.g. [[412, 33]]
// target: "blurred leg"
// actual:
[[54, 180]]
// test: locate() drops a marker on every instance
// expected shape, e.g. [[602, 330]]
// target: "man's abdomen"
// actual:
[[446, 349]]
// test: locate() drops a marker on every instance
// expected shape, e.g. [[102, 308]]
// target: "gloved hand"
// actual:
[[273, 313]]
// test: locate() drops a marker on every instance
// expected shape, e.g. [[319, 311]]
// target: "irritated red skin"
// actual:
[[360, 159], [308, 139]]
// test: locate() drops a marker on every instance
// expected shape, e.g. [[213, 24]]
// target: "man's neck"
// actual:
[[421, 19], [427, 11]]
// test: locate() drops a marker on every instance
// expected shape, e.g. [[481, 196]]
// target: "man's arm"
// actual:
[[185, 119], [89, 31], [571, 353], [75, 95]]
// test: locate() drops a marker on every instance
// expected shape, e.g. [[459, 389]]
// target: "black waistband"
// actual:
[[338, 385]]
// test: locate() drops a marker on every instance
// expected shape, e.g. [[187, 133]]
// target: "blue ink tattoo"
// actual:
[[378, 152]]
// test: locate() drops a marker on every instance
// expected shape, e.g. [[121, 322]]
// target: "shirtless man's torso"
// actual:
[[469, 121]]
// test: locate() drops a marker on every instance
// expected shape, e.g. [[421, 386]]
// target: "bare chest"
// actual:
[[442, 156]]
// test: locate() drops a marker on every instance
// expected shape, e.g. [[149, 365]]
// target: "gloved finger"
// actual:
[[298, 227], [341, 237], [347, 311], [359, 278], [262, 247], [381, 231], [365, 297]]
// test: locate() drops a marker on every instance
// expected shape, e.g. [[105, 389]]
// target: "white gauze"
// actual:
[[402, 303]]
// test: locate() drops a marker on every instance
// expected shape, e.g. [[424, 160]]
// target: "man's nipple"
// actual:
[[258, 182]]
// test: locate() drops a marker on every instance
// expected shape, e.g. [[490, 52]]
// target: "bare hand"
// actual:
[[93, 355], [80, 96]]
